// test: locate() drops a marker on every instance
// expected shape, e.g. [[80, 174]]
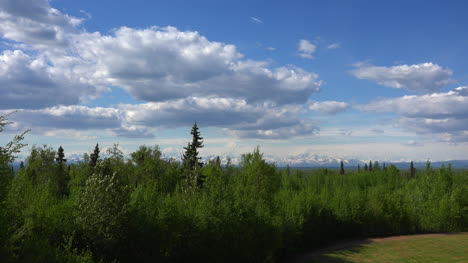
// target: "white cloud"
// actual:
[[329, 107], [425, 77], [442, 115], [69, 117], [181, 74], [236, 116], [306, 49], [27, 82], [333, 46], [256, 20], [160, 64], [36, 23], [299, 129], [412, 143], [437, 105]]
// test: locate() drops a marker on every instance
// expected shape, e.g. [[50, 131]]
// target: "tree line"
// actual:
[[149, 209]]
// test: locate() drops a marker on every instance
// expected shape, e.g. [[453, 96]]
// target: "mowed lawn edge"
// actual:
[[444, 248]]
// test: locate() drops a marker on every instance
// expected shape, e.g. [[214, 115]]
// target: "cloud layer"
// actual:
[[54, 65], [439, 114], [160, 64], [329, 107], [425, 77], [27, 82], [35, 23]]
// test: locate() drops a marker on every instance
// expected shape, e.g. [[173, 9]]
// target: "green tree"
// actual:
[[342, 168], [94, 156], [60, 156], [8, 154], [258, 179], [115, 154], [149, 166], [412, 169], [376, 166], [61, 179], [41, 164], [365, 167], [191, 161], [102, 211], [428, 166], [370, 166], [359, 168]]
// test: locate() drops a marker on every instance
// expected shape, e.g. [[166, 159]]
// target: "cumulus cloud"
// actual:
[[36, 23], [425, 77], [306, 49], [329, 107], [235, 115], [436, 105], [301, 128], [70, 117], [181, 75], [33, 83], [444, 115], [160, 64]]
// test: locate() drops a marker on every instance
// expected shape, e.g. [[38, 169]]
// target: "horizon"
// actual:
[[304, 81]]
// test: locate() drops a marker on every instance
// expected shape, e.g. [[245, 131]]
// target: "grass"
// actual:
[[430, 248]]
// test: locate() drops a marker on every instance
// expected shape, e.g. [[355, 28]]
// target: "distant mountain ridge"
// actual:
[[308, 161]]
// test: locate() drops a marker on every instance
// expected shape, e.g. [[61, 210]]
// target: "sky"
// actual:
[[304, 80]]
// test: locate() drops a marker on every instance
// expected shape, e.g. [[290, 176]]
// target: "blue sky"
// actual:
[[305, 80]]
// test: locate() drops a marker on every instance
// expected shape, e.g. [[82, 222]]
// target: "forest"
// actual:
[[146, 208]]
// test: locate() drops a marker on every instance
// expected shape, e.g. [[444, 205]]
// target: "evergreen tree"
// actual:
[[218, 162], [341, 168], [61, 180], [412, 169], [358, 168], [191, 162], [94, 156], [365, 167], [22, 165], [370, 166], [60, 156], [384, 167]]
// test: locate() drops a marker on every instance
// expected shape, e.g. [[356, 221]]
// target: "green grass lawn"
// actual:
[[447, 248]]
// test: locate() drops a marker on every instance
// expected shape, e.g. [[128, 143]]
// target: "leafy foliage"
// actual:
[[137, 210]]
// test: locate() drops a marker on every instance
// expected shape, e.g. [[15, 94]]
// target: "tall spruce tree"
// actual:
[[365, 167], [191, 162], [94, 156], [61, 176], [370, 166], [341, 168], [60, 156], [412, 169], [358, 168]]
